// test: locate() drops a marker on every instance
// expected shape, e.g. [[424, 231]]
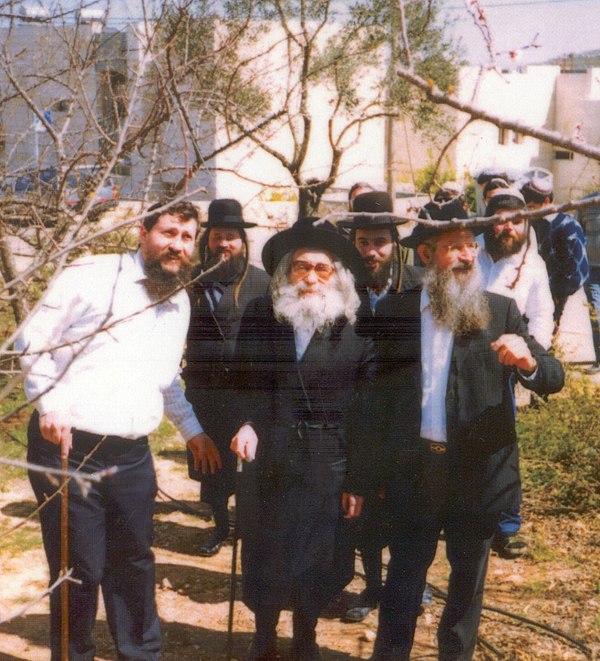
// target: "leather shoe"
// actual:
[[254, 654], [312, 654], [213, 544], [391, 654]]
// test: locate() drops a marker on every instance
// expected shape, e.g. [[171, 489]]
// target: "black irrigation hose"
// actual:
[[437, 592], [184, 506], [545, 627]]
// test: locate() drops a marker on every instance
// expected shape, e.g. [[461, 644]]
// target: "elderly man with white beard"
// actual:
[[445, 440], [302, 373]]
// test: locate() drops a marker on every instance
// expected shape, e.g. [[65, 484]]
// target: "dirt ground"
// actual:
[[557, 584]]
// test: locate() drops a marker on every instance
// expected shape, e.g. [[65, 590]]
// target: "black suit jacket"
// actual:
[[303, 411], [480, 407], [210, 346]]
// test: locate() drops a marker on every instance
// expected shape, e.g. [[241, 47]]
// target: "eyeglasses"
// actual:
[[302, 269]]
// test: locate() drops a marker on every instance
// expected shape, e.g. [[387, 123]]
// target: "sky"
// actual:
[[562, 26]]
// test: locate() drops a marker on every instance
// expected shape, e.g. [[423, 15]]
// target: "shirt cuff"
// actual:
[[528, 377]]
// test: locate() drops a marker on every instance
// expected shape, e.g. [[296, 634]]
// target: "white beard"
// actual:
[[310, 313]]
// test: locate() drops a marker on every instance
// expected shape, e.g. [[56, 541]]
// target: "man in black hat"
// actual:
[[376, 239], [226, 283], [301, 370], [447, 355]]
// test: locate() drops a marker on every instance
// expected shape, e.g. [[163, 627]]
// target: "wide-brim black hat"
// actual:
[[305, 234], [452, 210], [226, 213], [370, 203]]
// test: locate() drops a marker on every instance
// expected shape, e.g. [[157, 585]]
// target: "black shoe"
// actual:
[[366, 603], [213, 544], [509, 547], [254, 654], [592, 369], [391, 654], [304, 654]]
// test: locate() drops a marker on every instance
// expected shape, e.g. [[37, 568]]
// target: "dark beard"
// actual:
[[377, 280], [161, 283], [458, 304], [227, 270], [498, 248]]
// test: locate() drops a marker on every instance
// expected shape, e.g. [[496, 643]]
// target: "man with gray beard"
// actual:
[[301, 372], [444, 454]]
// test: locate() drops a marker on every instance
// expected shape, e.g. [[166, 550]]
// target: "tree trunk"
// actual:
[[9, 272]]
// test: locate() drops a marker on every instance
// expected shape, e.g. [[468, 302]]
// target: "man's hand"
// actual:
[[55, 427], [205, 452], [513, 350], [351, 505], [245, 442]]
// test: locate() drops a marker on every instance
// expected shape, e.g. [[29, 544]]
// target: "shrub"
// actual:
[[560, 447]]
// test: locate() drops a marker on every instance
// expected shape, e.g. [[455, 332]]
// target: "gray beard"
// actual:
[[308, 314], [459, 304]]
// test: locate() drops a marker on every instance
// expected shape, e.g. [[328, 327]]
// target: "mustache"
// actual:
[[463, 267]]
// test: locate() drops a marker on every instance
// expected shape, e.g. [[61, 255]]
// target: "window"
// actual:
[[563, 155]]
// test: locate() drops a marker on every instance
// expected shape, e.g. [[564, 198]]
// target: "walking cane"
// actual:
[[64, 556], [233, 581]]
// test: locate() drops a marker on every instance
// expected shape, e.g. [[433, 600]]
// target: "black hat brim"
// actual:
[[370, 222], [234, 225], [423, 233], [315, 238]]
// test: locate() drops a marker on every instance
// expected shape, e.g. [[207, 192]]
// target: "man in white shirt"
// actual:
[[101, 356], [445, 435], [512, 267]]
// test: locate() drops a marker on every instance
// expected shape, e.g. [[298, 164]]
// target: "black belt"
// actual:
[[303, 425], [85, 442]]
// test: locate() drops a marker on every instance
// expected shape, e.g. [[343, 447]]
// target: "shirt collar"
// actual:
[[425, 300]]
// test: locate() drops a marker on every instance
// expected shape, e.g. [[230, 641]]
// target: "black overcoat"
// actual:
[[482, 472], [207, 373], [309, 416]]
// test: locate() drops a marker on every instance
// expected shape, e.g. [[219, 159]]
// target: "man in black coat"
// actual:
[[448, 355], [301, 371], [226, 283], [375, 235]]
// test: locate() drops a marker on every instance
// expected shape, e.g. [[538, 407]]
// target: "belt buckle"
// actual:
[[437, 448]]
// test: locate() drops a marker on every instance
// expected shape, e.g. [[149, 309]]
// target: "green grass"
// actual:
[[560, 447], [13, 435], [20, 541]]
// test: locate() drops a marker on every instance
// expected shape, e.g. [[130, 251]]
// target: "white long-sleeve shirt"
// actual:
[[531, 293], [97, 350], [437, 342]]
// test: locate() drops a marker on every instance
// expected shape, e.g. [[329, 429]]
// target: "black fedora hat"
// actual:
[[226, 213], [367, 204], [452, 210], [306, 234]]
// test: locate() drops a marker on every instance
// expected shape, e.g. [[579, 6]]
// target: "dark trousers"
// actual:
[[412, 550], [110, 538]]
